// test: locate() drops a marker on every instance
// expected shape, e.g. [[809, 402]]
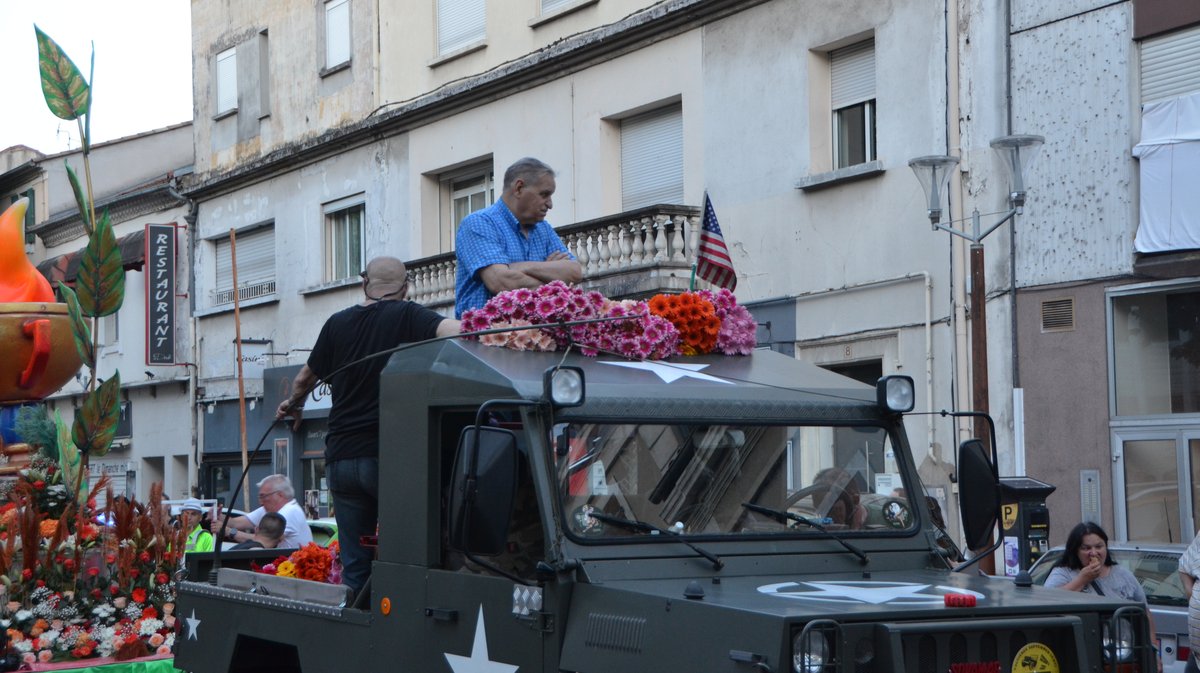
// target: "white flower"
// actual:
[[23, 646], [24, 615], [149, 627]]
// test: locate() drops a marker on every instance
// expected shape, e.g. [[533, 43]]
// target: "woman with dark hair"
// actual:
[[1086, 566]]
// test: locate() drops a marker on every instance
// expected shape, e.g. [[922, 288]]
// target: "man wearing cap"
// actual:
[[382, 321], [190, 514]]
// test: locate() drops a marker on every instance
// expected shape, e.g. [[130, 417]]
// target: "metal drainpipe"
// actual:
[[191, 218], [957, 245]]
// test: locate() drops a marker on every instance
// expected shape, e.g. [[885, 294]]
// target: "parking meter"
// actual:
[[1025, 520]]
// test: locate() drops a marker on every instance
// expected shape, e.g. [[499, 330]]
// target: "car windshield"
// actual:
[[1157, 572], [697, 479]]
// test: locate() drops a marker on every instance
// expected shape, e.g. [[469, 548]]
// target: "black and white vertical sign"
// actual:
[[160, 294]]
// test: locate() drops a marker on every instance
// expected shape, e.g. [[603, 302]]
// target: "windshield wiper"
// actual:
[[783, 517], [644, 527]]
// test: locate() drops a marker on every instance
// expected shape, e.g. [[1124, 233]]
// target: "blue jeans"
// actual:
[[354, 485]]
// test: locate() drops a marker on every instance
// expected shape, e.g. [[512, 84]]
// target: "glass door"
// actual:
[[1156, 484]]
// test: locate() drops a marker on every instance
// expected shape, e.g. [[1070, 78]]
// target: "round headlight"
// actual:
[[810, 652], [1119, 643]]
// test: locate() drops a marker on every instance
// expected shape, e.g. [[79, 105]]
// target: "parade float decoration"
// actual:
[[77, 581], [311, 562], [690, 323]]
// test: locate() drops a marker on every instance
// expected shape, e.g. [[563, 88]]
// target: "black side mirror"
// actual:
[[979, 493], [483, 488]]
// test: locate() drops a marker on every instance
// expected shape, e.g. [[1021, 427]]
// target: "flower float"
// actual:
[[691, 323]]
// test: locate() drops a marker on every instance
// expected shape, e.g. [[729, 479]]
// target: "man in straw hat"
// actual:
[[383, 320]]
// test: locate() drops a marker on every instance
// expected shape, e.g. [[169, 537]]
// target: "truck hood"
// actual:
[[917, 594]]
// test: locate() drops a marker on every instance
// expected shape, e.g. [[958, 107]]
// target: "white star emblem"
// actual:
[[193, 626], [874, 593], [670, 372], [478, 662]]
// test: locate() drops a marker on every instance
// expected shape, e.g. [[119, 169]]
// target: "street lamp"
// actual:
[[1016, 152]]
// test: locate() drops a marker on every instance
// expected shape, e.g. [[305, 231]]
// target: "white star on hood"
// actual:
[[478, 662], [670, 372], [193, 626]]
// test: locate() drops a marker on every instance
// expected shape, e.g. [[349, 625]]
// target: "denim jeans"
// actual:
[[354, 485]]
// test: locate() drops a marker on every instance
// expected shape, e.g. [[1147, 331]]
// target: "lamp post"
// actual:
[[933, 172]]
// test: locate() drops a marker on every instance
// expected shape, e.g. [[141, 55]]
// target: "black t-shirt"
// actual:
[[351, 334]]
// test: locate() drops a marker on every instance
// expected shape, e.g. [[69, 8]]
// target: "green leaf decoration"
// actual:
[[69, 459], [83, 335], [85, 213], [96, 420], [67, 94], [101, 281]]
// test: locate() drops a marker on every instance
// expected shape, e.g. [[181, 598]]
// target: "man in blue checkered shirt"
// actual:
[[509, 244]]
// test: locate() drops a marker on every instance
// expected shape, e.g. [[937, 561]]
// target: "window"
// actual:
[[551, 5], [343, 242], [227, 94], [255, 266], [337, 32], [110, 330], [852, 94], [464, 192], [460, 23], [652, 158], [1156, 352]]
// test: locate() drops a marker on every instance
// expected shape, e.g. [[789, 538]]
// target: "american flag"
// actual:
[[712, 262]]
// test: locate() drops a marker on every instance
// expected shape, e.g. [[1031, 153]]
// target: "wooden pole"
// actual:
[[979, 369], [237, 340]]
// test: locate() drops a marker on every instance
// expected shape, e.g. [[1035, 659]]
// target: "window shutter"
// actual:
[[852, 74], [460, 23], [337, 32], [551, 5], [1171, 65], [652, 158], [256, 259], [226, 80]]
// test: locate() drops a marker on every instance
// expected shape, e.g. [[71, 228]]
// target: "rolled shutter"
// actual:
[[460, 23], [852, 74], [1170, 65], [652, 158], [256, 259]]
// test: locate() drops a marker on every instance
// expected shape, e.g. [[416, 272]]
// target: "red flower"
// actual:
[[96, 593], [150, 613], [134, 572], [110, 558], [161, 578], [69, 564], [41, 583], [139, 595], [27, 574], [144, 557], [39, 484], [92, 572], [114, 590]]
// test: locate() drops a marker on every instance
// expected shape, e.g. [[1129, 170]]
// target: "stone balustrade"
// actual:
[[630, 255]]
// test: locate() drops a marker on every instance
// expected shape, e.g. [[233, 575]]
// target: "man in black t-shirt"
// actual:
[[380, 322]]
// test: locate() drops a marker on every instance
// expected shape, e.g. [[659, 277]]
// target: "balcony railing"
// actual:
[[629, 255], [245, 292]]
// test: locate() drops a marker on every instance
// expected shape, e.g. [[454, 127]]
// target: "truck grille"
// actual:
[[933, 647]]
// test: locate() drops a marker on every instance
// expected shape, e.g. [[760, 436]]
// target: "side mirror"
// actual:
[[482, 490], [979, 493]]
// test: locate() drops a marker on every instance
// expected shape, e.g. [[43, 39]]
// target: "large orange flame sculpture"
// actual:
[[19, 280]]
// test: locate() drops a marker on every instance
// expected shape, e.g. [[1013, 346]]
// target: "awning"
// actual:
[[66, 267]]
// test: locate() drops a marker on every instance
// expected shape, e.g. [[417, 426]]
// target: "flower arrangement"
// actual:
[[311, 562], [74, 589], [691, 323]]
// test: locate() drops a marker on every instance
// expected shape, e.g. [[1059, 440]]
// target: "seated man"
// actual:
[[267, 535], [275, 494]]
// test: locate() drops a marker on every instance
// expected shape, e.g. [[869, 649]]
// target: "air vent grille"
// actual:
[[1058, 315]]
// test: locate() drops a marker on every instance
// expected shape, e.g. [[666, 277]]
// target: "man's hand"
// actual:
[[286, 409], [556, 256]]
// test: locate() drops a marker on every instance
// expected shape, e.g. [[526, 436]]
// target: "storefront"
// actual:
[[302, 451]]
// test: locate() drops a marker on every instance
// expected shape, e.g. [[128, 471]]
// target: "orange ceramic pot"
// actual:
[[37, 350]]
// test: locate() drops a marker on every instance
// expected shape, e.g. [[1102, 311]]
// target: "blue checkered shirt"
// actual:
[[493, 236]]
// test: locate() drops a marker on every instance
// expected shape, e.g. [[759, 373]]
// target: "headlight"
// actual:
[[563, 386], [811, 652], [1120, 643]]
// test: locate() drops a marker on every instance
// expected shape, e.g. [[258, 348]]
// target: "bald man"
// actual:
[[383, 320]]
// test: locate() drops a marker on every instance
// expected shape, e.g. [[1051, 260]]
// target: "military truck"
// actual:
[[552, 512]]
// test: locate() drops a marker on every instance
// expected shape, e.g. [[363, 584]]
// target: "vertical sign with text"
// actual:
[[160, 294]]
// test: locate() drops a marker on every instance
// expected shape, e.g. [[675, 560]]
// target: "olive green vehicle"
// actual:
[[545, 512]]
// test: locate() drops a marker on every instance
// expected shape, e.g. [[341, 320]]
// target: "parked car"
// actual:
[[1156, 567], [324, 531]]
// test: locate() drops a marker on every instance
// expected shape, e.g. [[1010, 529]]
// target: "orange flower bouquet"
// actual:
[[694, 316]]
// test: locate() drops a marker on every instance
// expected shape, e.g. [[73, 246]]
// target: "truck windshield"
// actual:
[[694, 479]]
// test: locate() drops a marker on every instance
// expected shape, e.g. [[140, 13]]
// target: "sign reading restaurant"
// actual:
[[160, 294]]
